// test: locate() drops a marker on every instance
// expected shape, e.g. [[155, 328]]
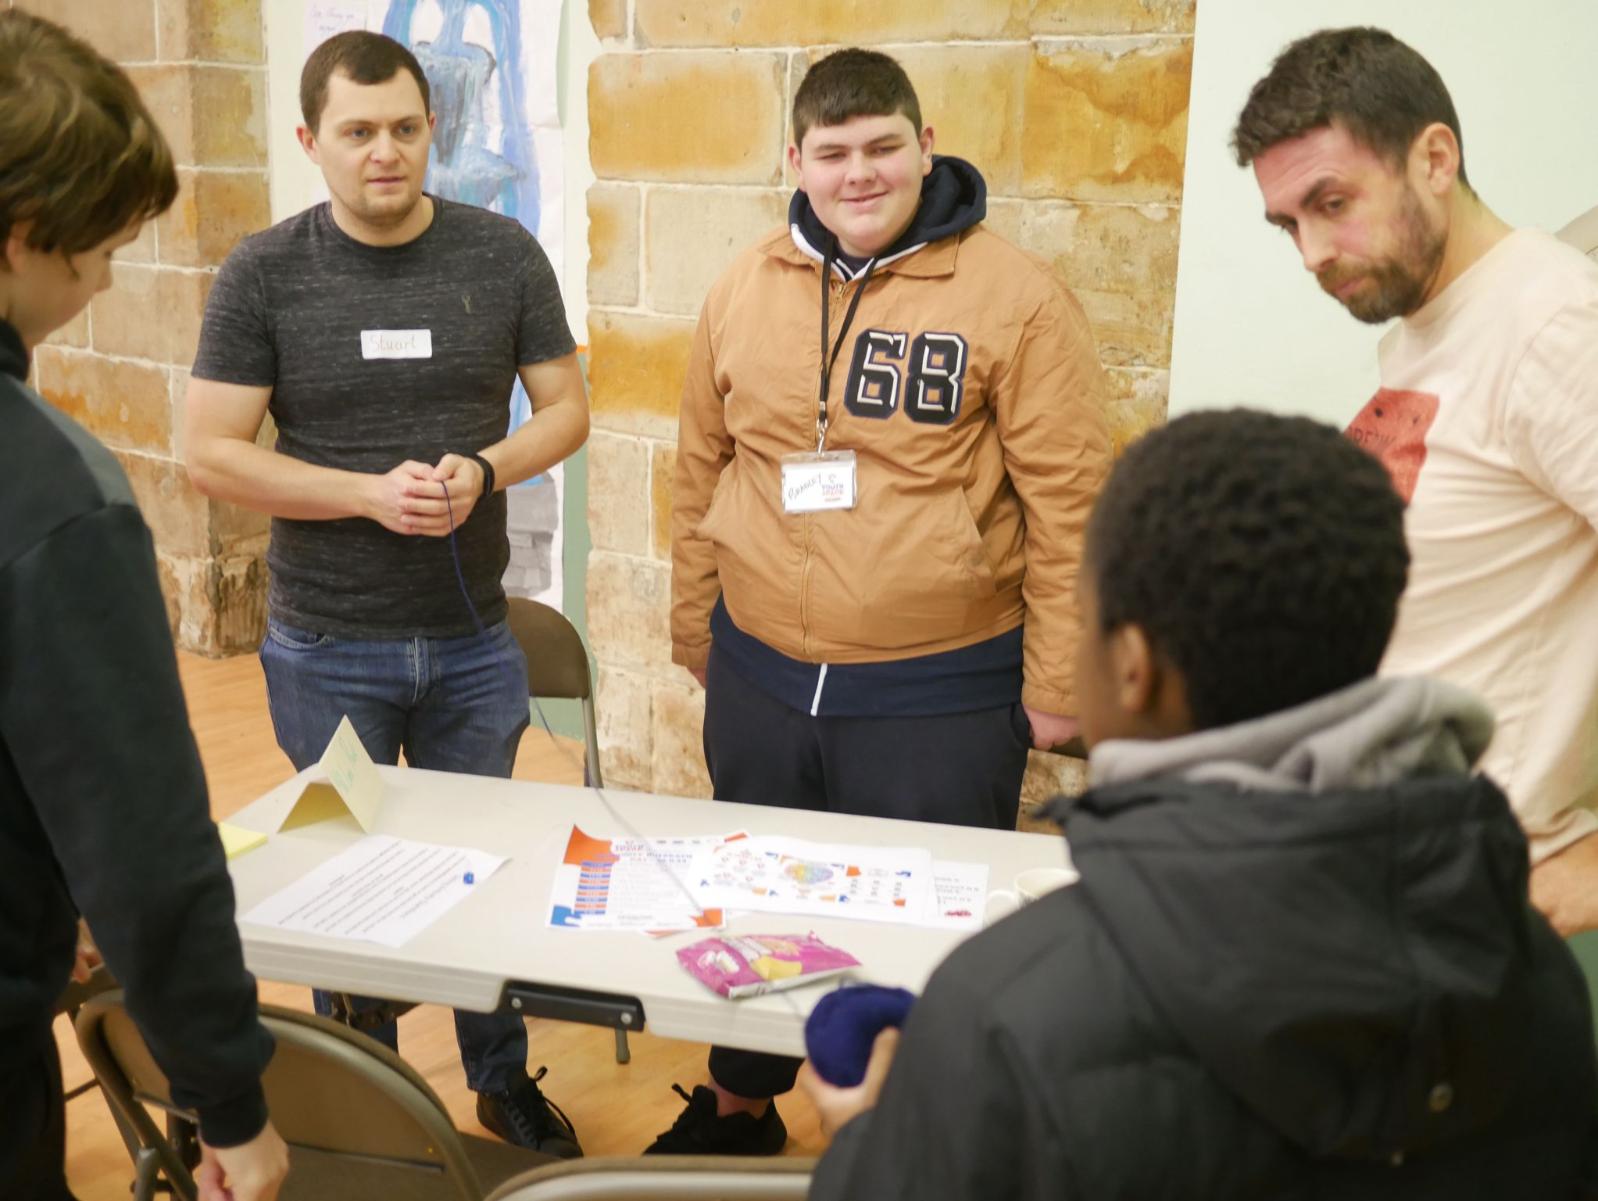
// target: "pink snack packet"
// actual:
[[746, 965]]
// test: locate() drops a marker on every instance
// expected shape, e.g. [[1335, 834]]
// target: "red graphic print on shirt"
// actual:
[[1393, 427]]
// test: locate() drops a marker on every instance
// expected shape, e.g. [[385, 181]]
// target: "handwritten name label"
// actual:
[[396, 344]]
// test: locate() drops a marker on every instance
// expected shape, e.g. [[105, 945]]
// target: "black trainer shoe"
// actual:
[[526, 1117], [698, 1131]]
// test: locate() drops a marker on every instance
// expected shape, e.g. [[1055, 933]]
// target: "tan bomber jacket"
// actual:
[[970, 390]]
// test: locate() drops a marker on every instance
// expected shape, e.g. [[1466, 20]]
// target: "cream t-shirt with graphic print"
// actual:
[[1487, 419]]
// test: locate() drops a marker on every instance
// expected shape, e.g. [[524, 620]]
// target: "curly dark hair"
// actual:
[[1366, 80], [1263, 555]]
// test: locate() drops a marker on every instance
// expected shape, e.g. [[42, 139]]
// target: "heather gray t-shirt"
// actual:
[[289, 310]]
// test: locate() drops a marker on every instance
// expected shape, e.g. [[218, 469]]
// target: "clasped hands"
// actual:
[[410, 499]]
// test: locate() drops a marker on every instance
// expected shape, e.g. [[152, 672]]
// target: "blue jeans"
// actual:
[[452, 704]]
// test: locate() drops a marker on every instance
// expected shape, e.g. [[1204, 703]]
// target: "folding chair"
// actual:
[[557, 667], [664, 1178], [359, 1121]]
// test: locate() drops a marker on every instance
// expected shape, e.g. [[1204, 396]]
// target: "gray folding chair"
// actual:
[[359, 1121], [557, 667], [664, 1178]]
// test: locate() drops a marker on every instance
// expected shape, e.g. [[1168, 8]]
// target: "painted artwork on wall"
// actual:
[[491, 68]]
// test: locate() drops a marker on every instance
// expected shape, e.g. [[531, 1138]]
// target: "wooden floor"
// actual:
[[616, 1109]]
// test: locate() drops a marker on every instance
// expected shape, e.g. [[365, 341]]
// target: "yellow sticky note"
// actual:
[[351, 784], [236, 839]]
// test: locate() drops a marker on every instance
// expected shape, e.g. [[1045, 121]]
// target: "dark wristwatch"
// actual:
[[488, 470]]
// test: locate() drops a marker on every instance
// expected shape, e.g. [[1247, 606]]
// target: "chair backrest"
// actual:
[[557, 661], [330, 1089], [664, 1178], [557, 666], [1582, 233]]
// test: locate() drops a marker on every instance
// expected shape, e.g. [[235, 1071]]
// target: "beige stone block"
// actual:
[[166, 578], [613, 244], [618, 487], [213, 212], [236, 530], [677, 741], [214, 116], [691, 235], [636, 367], [73, 333], [126, 405], [1139, 401], [1048, 776], [217, 606], [151, 313], [1119, 260], [974, 97], [608, 17], [179, 517], [687, 118], [623, 726], [629, 607], [823, 22], [662, 471], [1107, 121], [217, 31], [122, 31], [1111, 16], [141, 249]]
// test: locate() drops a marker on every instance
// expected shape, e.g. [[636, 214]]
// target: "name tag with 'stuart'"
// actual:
[[396, 344]]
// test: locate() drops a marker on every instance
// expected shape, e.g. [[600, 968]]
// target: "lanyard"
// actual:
[[828, 360]]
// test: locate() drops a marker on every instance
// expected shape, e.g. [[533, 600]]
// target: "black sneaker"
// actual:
[[527, 1118], [698, 1131]]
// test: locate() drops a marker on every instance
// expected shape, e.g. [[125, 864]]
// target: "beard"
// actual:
[[1396, 284]]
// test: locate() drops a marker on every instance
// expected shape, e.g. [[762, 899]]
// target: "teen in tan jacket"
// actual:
[[886, 626]]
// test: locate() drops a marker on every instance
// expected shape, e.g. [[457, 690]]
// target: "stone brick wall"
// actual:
[[1076, 112], [121, 368]]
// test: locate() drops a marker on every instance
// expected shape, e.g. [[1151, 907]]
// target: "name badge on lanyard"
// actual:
[[825, 479], [814, 483], [396, 344]]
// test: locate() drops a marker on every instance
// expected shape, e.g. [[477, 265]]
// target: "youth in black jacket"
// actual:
[[1256, 991], [103, 806]]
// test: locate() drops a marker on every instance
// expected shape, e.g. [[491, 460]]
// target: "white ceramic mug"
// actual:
[[1029, 886]]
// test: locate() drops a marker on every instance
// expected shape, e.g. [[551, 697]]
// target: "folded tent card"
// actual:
[[345, 780]]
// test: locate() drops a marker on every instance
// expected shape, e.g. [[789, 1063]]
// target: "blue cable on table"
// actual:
[[844, 1024]]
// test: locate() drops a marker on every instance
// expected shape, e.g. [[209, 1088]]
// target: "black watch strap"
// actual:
[[488, 470]]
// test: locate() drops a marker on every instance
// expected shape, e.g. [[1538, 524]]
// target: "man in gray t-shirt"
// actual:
[[385, 331]]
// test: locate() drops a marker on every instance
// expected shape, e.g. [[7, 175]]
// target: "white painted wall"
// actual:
[[1252, 327]]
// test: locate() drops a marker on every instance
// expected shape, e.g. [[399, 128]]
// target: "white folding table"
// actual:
[[495, 949]]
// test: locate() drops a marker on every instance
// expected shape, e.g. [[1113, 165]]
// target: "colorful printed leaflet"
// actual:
[[787, 875], [747, 965], [629, 884]]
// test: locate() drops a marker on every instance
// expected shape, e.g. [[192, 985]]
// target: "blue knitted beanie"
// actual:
[[844, 1024]]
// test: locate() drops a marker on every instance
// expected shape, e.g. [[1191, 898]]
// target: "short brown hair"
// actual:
[[853, 83], [361, 57], [1366, 80], [80, 156]]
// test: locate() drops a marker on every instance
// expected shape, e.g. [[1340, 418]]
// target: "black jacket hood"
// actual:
[[1373, 946], [954, 197]]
